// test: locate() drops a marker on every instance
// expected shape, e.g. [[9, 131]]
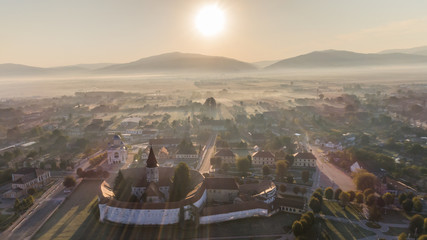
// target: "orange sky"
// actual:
[[54, 33]]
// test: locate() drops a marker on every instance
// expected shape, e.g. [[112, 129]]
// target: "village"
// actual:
[[355, 156]]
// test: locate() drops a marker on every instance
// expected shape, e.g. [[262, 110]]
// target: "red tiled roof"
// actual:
[[263, 154]]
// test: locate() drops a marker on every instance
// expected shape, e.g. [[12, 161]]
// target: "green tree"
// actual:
[[371, 200], [352, 195], [266, 170], [407, 205], [418, 206], [297, 228], [181, 182], [315, 205], [318, 196], [359, 197], [388, 198], [305, 175], [416, 224], [281, 167], [243, 165], [374, 213], [329, 193], [402, 236], [402, 197], [305, 224], [290, 179], [69, 181], [338, 191], [319, 190], [17, 204], [368, 192], [344, 199], [363, 180]]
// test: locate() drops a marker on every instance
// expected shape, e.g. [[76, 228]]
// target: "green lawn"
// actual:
[[72, 214], [332, 208], [338, 230], [7, 220]]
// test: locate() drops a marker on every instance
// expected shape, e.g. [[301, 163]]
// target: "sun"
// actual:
[[210, 20]]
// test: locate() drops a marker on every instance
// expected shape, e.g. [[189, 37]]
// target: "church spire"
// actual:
[[151, 160]]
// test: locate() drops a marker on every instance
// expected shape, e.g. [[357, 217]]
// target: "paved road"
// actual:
[[328, 175], [30, 221], [205, 163]]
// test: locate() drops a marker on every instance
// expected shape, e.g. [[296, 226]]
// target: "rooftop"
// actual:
[[263, 154], [221, 183]]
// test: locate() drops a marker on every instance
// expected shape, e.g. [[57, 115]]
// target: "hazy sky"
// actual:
[[60, 32]]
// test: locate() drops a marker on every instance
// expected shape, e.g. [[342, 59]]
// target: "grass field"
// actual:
[[332, 208], [72, 214], [339, 230]]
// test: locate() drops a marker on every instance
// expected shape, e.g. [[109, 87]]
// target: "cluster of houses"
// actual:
[[27, 178], [262, 157]]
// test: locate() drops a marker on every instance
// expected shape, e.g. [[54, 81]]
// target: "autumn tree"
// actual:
[[344, 199], [329, 193], [281, 167], [363, 180]]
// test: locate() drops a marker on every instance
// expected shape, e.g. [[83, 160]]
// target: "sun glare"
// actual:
[[210, 20]]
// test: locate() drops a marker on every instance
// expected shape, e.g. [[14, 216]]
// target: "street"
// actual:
[[205, 163], [31, 220], [328, 175]]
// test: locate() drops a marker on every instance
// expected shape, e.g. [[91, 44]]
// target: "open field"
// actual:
[[332, 208], [72, 213], [338, 230]]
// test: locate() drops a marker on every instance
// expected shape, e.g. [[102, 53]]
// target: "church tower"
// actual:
[[152, 167]]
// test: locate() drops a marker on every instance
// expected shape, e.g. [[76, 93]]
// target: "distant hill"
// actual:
[[263, 64], [417, 51], [335, 58], [177, 62], [10, 69]]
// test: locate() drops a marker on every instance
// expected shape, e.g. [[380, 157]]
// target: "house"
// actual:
[[290, 204], [131, 122], [226, 156], [26, 178], [222, 190], [263, 158], [164, 142], [182, 154], [304, 159], [264, 191], [355, 167]]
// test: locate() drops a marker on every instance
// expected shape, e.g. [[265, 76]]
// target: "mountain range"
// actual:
[[189, 62]]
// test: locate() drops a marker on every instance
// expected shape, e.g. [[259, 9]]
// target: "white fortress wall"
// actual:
[[233, 216]]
